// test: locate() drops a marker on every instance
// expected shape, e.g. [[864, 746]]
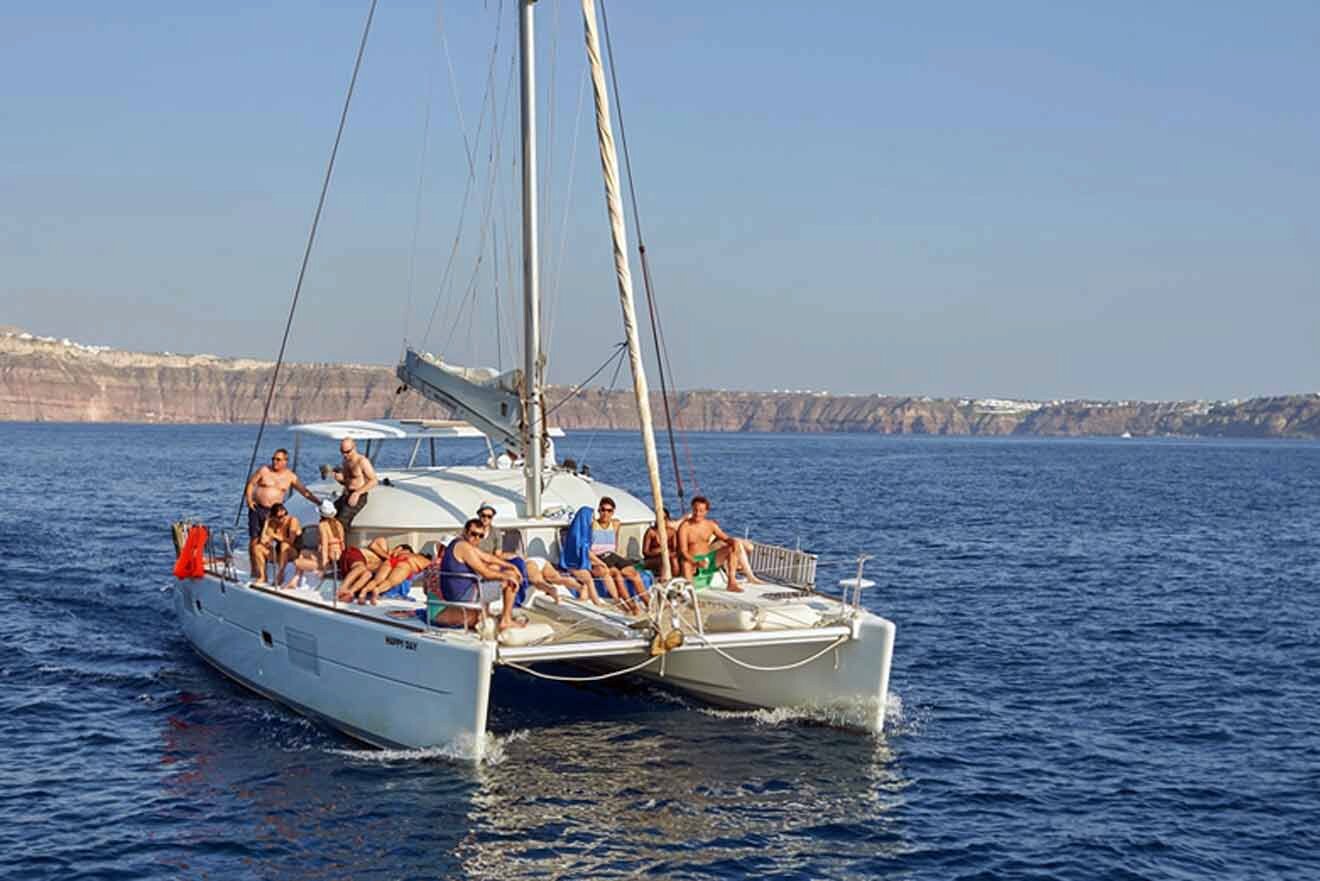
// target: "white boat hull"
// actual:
[[373, 681], [845, 686]]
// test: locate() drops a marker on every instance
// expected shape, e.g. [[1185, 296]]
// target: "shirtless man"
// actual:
[[269, 485], [358, 477], [281, 530], [700, 540]]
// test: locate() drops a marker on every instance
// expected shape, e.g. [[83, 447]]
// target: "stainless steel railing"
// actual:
[[788, 566]]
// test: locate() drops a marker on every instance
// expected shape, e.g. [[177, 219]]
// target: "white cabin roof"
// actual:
[[443, 498], [396, 429]]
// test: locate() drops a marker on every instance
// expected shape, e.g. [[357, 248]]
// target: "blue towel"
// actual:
[[526, 580], [399, 590], [576, 543]]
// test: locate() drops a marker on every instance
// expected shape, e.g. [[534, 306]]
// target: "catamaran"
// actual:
[[398, 681]]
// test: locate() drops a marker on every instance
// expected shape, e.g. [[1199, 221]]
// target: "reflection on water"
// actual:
[[668, 790], [681, 793]]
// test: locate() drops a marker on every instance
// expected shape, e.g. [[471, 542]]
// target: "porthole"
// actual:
[[266, 638], [198, 604]]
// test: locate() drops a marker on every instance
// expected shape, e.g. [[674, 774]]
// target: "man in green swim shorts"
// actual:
[[700, 540]]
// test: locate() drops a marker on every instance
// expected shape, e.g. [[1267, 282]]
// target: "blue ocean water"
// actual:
[[1108, 666]]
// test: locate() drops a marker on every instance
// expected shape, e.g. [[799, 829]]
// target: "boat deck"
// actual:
[[759, 614]]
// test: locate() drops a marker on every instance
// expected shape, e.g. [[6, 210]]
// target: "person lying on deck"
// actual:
[[395, 571], [545, 576], [358, 566], [280, 534], [464, 568], [605, 545], [701, 541]]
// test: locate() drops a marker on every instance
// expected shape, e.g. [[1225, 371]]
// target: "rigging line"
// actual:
[[470, 293], [547, 156], [307, 252], [495, 275], [421, 175], [553, 299], [471, 179], [641, 250], [591, 440], [577, 389]]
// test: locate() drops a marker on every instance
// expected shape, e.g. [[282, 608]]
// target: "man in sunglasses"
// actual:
[[269, 485], [466, 566], [358, 477]]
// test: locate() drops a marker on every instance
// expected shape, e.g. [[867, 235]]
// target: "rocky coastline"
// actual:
[[50, 380]]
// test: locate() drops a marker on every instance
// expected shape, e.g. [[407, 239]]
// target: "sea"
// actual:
[[1107, 667]]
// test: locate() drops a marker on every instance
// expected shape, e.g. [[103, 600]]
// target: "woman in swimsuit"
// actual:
[[651, 558], [401, 565], [318, 557], [357, 566], [332, 537]]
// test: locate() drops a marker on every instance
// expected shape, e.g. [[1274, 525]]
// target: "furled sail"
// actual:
[[485, 398]]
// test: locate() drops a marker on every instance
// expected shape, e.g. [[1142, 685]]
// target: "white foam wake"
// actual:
[[462, 749]]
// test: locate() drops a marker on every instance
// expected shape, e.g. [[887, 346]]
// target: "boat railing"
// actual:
[[792, 567], [436, 602], [219, 559]]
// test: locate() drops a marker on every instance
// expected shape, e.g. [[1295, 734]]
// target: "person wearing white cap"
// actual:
[[319, 549]]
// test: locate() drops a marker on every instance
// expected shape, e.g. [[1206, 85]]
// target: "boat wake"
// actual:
[[853, 715], [463, 749]]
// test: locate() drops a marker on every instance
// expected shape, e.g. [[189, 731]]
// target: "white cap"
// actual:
[[327, 508], [484, 505]]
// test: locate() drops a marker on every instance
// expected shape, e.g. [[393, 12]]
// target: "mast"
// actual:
[[614, 205], [531, 394]]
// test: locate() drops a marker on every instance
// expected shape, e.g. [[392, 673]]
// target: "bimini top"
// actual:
[[396, 429]]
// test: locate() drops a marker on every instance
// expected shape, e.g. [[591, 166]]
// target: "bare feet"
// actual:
[[734, 587], [511, 624]]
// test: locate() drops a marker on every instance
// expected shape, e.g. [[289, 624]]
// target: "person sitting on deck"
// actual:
[[393, 576], [605, 545], [496, 543], [320, 548], [702, 545], [576, 558], [464, 567], [280, 532], [651, 558], [357, 566], [269, 485], [493, 543]]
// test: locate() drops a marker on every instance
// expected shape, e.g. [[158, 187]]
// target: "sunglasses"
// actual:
[[486, 516], [607, 510], [477, 535]]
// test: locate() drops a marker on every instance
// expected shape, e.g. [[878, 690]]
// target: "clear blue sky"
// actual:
[[1019, 199]]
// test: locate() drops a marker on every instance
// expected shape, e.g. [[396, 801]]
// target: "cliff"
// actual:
[[43, 379]]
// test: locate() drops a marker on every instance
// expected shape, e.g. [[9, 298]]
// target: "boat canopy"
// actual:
[[396, 429]]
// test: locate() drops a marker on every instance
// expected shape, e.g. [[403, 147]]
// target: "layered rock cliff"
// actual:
[[58, 380]]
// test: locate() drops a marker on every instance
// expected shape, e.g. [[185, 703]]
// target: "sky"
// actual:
[[1028, 199]]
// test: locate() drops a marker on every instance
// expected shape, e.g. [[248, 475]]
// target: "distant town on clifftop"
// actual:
[[43, 379]]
